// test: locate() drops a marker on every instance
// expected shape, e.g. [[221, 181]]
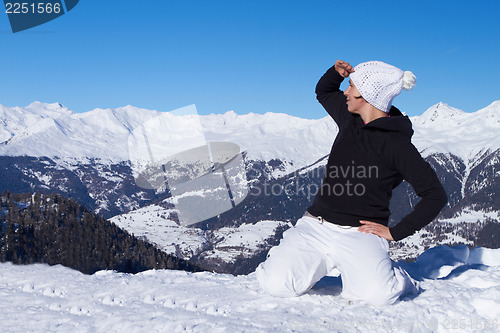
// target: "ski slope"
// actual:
[[461, 293]]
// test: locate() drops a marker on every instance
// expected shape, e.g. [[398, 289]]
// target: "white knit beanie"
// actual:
[[379, 83]]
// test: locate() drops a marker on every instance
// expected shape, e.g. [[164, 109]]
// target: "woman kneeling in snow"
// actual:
[[346, 226]]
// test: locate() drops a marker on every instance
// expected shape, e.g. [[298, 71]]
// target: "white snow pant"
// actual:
[[311, 249]]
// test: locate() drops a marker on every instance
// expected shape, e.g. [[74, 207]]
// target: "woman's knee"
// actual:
[[288, 275], [277, 283], [381, 291], [292, 267]]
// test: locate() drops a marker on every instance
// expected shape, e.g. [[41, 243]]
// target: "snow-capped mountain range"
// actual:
[[443, 129], [54, 131], [94, 157]]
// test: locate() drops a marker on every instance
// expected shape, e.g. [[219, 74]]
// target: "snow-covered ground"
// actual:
[[472, 216], [229, 243], [414, 245], [461, 293], [153, 223]]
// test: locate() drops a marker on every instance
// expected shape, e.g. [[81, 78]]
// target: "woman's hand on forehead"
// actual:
[[343, 68]]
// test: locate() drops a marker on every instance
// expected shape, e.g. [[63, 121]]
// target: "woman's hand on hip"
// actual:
[[378, 229]]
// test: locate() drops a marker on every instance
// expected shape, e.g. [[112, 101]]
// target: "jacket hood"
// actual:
[[396, 122]]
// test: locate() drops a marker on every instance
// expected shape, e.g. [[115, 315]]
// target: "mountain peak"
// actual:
[[439, 112], [54, 110], [443, 108], [491, 111]]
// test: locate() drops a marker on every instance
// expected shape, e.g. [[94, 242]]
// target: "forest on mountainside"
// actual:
[[52, 229]]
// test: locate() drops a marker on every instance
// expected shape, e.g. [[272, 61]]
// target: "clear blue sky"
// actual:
[[249, 56]]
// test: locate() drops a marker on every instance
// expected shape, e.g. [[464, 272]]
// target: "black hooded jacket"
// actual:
[[367, 162]]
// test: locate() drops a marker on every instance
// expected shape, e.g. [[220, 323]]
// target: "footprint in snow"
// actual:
[[191, 306], [149, 299], [169, 303], [112, 300]]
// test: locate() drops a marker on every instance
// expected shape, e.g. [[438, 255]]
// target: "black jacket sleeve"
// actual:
[[331, 97], [420, 175]]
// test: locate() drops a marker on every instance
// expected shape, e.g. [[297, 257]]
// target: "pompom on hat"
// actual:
[[379, 83]]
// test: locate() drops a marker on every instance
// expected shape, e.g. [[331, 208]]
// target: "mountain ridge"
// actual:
[[103, 133]]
